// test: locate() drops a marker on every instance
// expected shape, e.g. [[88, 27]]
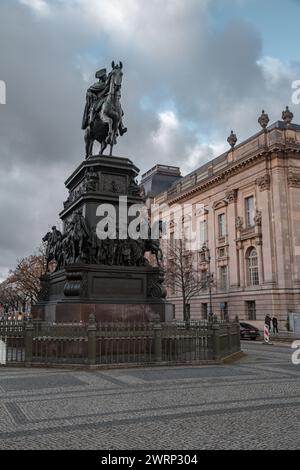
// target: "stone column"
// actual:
[[260, 262], [265, 252], [241, 264], [231, 197]]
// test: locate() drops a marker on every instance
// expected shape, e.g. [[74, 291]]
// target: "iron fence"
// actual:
[[12, 341], [114, 343]]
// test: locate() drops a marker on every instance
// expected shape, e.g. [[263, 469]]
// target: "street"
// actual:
[[253, 403]]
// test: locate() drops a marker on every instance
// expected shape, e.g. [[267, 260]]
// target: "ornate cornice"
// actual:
[[220, 177]]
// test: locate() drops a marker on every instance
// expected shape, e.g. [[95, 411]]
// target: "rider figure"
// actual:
[[94, 98]]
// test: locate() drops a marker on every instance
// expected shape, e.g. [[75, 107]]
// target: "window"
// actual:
[[252, 262], [204, 311], [204, 277], [249, 203], [223, 277], [202, 234], [222, 225], [222, 252], [251, 309]]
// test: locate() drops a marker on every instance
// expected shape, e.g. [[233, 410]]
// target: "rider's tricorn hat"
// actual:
[[100, 73]]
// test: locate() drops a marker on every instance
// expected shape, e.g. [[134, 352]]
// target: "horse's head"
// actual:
[[117, 75]]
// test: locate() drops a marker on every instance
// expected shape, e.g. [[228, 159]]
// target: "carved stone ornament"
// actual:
[[294, 180], [232, 139], [155, 287], [287, 116], [114, 184], [231, 196], [239, 223], [263, 120], [264, 182], [257, 218]]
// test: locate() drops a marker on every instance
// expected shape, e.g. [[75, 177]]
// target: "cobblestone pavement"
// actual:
[[251, 404]]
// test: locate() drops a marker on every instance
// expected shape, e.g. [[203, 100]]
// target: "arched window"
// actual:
[[252, 265]]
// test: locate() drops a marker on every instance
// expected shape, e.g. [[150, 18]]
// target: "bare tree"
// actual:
[[182, 274], [10, 296], [26, 276]]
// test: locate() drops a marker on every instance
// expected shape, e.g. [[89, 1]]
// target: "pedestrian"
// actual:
[[275, 325], [268, 321]]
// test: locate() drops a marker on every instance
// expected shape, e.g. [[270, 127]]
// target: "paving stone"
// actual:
[[251, 404]]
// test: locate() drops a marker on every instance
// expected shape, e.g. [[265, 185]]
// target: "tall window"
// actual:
[[249, 206], [223, 277], [222, 225], [251, 309], [202, 234], [252, 261]]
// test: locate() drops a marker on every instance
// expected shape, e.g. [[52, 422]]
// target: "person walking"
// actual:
[[268, 321], [275, 325]]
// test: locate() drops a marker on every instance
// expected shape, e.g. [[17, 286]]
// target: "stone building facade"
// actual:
[[251, 226]]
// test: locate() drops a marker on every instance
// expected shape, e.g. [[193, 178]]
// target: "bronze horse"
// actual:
[[108, 122]]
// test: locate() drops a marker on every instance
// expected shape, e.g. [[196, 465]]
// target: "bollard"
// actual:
[[266, 334]]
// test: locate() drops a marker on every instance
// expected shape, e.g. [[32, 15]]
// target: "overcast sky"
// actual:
[[193, 70]]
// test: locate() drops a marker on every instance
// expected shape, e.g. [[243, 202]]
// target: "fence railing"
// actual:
[[114, 343]]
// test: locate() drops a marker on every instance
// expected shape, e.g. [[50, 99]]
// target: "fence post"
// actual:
[[229, 342], [216, 341], [238, 332], [92, 330], [157, 341], [28, 341]]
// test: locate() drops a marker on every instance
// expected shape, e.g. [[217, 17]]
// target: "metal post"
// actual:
[[210, 313], [216, 341], [157, 342], [92, 340], [229, 338], [28, 341]]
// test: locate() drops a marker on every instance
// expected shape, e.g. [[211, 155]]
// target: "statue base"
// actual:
[[111, 293]]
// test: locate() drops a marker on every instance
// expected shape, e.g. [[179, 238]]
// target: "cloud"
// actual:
[[186, 85], [40, 7]]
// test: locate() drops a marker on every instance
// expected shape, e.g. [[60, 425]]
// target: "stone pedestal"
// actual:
[[111, 279], [112, 293]]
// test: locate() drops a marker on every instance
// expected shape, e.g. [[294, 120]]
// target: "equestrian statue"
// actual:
[[103, 114]]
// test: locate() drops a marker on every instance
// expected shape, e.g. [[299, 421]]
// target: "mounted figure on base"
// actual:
[[102, 118]]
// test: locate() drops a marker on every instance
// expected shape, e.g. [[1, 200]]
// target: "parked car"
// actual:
[[248, 331]]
